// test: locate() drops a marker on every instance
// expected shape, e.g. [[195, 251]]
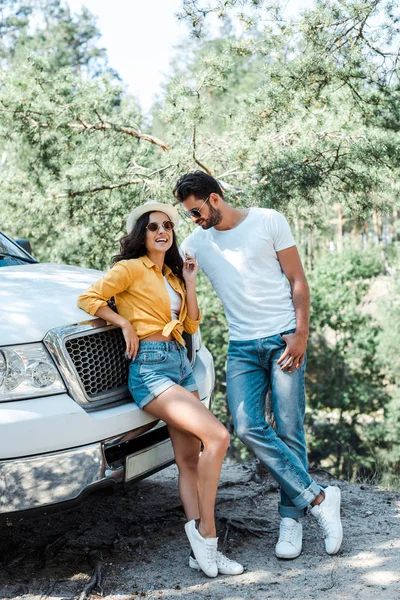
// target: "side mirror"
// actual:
[[25, 245]]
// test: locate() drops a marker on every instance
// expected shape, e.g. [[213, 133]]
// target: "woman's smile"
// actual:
[[162, 240], [158, 237]]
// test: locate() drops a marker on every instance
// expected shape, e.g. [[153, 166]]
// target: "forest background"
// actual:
[[300, 115]]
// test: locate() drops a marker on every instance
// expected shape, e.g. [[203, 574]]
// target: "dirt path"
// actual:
[[134, 540]]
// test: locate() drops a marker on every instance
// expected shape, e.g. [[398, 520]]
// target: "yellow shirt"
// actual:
[[141, 297]]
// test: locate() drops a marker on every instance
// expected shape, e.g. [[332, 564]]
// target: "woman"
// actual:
[[155, 295]]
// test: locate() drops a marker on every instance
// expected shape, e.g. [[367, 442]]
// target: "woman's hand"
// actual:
[[130, 335], [131, 339], [189, 270]]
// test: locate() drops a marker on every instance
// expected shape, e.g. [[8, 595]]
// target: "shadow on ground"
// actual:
[[131, 544]]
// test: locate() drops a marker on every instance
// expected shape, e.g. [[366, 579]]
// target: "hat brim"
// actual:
[[137, 212]]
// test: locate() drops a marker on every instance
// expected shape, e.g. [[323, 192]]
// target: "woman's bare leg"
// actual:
[[180, 409], [187, 450]]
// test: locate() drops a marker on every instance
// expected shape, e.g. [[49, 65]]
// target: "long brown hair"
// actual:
[[133, 246]]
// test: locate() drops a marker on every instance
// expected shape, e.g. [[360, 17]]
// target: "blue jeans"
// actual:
[[157, 367], [252, 368]]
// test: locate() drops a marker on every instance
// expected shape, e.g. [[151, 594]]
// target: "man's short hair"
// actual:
[[198, 184]]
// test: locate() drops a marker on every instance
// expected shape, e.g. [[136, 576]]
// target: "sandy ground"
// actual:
[[134, 542]]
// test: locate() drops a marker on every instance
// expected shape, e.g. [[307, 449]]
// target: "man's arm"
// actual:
[[296, 343]]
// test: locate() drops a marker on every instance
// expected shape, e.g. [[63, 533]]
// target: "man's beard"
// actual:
[[214, 218]]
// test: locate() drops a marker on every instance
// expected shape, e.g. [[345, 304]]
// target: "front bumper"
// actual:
[[54, 423], [42, 481]]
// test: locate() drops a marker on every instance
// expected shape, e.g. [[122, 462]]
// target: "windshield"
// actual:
[[7, 247]]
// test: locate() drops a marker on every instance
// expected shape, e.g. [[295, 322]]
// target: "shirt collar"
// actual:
[[167, 270], [149, 264], [146, 261]]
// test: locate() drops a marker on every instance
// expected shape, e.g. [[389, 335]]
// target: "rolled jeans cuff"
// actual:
[[307, 495]]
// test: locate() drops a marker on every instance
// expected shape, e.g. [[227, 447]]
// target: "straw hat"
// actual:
[[151, 206]]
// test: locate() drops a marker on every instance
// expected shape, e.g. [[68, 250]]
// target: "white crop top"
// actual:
[[176, 301]]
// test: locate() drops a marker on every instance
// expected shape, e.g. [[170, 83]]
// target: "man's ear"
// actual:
[[215, 199]]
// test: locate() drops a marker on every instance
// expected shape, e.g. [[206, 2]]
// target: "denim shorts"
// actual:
[[157, 367]]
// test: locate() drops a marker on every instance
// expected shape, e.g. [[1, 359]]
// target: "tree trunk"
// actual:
[[339, 234], [376, 225], [395, 233]]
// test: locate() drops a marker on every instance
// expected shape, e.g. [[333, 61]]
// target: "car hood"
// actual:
[[35, 298]]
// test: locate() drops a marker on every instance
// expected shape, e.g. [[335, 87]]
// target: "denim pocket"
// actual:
[[288, 332], [152, 357]]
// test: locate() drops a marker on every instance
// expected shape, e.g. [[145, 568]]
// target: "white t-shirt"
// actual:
[[175, 299], [243, 268]]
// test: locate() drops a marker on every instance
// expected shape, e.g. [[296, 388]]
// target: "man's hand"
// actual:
[[292, 358]]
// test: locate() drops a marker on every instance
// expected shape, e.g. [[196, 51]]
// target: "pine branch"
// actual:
[[23, 115], [101, 126], [106, 125], [101, 188], [196, 160]]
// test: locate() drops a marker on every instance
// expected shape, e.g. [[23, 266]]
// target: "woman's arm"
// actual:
[[189, 273], [130, 335], [94, 301], [115, 281]]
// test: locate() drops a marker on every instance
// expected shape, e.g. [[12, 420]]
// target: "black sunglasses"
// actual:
[[195, 212], [167, 226]]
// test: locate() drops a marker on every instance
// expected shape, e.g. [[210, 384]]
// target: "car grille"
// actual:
[[91, 359], [99, 361]]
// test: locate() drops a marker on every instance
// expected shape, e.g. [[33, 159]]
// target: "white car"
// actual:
[[68, 424]]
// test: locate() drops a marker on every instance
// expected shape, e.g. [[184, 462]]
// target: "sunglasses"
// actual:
[[167, 226], [195, 212]]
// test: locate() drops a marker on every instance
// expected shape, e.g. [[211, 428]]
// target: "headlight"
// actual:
[[27, 371]]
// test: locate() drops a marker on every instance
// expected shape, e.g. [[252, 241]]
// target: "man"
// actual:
[[251, 260]]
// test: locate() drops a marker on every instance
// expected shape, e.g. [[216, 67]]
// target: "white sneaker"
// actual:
[[204, 549], [328, 516], [290, 539], [224, 564]]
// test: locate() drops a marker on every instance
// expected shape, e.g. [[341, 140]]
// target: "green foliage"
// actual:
[[71, 167], [345, 380], [388, 450], [289, 115], [390, 327], [50, 29], [291, 112], [55, 159], [300, 115]]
